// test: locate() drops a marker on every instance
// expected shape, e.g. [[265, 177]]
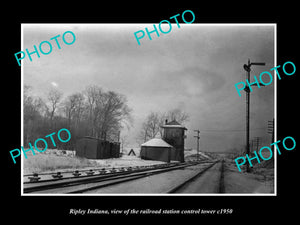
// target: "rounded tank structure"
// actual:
[[156, 149]]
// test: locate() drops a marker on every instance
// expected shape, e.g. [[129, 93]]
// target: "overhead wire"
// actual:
[[259, 128]]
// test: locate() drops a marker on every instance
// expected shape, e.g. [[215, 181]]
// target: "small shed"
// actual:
[[94, 148], [156, 149]]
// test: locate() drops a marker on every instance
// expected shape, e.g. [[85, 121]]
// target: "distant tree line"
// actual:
[[151, 127], [91, 112]]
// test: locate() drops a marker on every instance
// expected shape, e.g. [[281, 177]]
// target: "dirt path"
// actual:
[[241, 182]]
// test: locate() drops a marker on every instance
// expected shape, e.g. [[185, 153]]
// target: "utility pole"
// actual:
[[247, 90], [257, 142], [271, 131], [145, 139], [198, 137], [119, 134]]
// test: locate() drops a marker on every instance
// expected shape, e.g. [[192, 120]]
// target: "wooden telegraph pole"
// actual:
[[271, 131], [198, 137]]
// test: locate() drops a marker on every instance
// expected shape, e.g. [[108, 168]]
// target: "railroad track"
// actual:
[[72, 185], [179, 187], [67, 175]]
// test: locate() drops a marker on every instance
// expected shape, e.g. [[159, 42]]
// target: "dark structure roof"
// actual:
[[173, 124]]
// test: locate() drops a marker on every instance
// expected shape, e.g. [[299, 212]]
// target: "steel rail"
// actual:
[[34, 187], [102, 173], [178, 187], [97, 169], [82, 190]]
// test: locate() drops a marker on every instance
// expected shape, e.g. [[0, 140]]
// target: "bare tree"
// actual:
[[92, 112], [92, 94], [154, 121], [79, 108], [151, 126], [54, 96], [69, 106], [124, 142], [115, 113], [33, 112], [30, 114], [108, 112], [177, 114], [73, 108]]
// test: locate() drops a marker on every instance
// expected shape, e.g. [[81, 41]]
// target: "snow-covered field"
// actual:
[[124, 161], [53, 159], [193, 154], [64, 160]]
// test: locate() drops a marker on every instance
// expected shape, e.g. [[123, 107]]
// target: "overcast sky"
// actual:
[[194, 67]]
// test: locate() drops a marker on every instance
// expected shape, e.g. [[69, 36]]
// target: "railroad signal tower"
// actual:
[[247, 90], [174, 134]]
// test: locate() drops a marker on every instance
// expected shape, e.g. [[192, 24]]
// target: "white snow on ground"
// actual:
[[124, 161], [187, 152], [193, 154], [65, 160], [57, 152], [203, 155]]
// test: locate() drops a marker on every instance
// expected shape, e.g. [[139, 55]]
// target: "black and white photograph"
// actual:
[[145, 112], [129, 109]]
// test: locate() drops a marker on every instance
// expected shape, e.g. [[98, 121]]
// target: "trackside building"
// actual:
[[94, 148], [156, 149]]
